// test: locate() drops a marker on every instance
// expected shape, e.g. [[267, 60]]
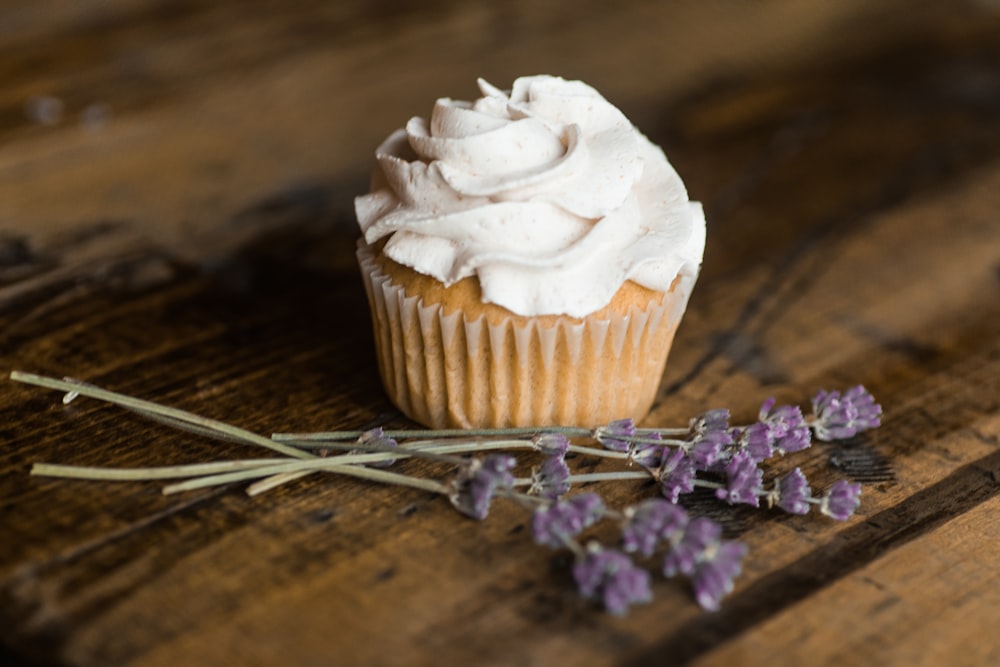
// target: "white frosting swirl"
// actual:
[[546, 193]]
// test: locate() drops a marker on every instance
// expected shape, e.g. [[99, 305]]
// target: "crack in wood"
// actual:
[[861, 462], [851, 550]]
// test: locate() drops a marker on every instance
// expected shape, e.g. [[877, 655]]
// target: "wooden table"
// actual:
[[176, 184]]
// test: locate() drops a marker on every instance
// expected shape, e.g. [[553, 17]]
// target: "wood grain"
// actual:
[[196, 248]]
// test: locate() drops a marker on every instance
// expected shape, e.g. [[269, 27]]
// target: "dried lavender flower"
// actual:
[[837, 416], [787, 427], [478, 481], [554, 525], [676, 474], [700, 534], [756, 439], [695, 547], [551, 444], [713, 576], [792, 493], [612, 577], [780, 429], [616, 435], [649, 522], [375, 439], [744, 480], [707, 447], [551, 480], [648, 454], [713, 420], [840, 500]]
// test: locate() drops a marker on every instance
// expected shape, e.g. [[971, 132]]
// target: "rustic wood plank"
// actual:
[[206, 122], [199, 255], [950, 570]]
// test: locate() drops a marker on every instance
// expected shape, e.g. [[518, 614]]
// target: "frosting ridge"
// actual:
[[546, 193]]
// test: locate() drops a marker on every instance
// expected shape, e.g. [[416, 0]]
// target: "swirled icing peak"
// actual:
[[546, 193]]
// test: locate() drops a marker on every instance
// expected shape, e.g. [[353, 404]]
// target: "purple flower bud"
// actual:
[[794, 493], [617, 435], [713, 420], [551, 480], [707, 448], [552, 526], [837, 416], [612, 577], [766, 407], [782, 419], [840, 501], [478, 481], [648, 454], [376, 440], [794, 440], [787, 431], [788, 428], [649, 522], [756, 439], [744, 480], [552, 444], [713, 577], [676, 475], [700, 536]]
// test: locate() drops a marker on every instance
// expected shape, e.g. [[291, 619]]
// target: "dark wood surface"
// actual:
[[182, 231]]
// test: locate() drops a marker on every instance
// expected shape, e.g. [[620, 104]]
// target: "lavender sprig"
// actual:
[[651, 522], [478, 481], [709, 452], [617, 435], [551, 479], [611, 576], [715, 572], [837, 416], [791, 493], [744, 481], [841, 500], [554, 525], [676, 475]]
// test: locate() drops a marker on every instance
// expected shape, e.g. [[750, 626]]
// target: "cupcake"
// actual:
[[527, 257]]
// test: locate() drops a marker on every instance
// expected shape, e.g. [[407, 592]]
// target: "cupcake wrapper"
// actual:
[[446, 371]]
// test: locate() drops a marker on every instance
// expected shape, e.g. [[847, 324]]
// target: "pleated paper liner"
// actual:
[[446, 371]]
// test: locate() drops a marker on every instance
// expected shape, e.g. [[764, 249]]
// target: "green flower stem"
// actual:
[[487, 445], [418, 448], [433, 450], [597, 451], [310, 466], [662, 431], [523, 499], [182, 425], [378, 454], [450, 447], [578, 549], [640, 440], [444, 446], [432, 446], [606, 476], [568, 431], [199, 469], [190, 470], [174, 414], [145, 474], [274, 481], [426, 449]]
